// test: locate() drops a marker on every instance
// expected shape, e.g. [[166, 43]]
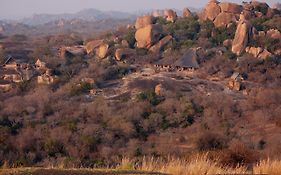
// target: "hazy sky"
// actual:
[[23, 8]]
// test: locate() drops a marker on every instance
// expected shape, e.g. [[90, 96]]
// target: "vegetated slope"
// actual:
[[93, 101]]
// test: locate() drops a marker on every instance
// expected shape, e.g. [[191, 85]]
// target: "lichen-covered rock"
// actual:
[[159, 46], [224, 18], [242, 35], [148, 35], [143, 21]]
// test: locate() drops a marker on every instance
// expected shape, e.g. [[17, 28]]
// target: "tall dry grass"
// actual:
[[195, 166], [272, 167]]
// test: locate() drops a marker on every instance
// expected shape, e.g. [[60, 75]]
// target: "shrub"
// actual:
[[207, 27], [115, 72], [82, 87], [54, 147], [43, 50], [130, 37], [222, 33], [210, 141], [150, 96], [239, 154], [183, 28], [258, 23]]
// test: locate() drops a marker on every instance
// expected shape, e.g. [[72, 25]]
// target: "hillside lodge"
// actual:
[[187, 62]]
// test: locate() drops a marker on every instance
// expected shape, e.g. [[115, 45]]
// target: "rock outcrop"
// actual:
[[170, 15], [231, 7], [211, 11], [143, 21], [45, 79], [265, 54], [102, 50], [124, 53], [148, 35], [273, 33], [224, 18], [242, 35], [92, 45], [258, 52], [159, 46], [255, 51], [186, 13]]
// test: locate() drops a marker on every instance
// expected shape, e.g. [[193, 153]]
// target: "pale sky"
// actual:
[[22, 8]]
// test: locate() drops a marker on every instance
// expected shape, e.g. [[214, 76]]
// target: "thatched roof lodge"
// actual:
[[188, 60]]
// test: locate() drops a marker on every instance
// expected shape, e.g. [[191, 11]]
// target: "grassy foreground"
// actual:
[[199, 165], [51, 171]]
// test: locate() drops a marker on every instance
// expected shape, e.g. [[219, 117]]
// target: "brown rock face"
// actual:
[[265, 54], [248, 14], [186, 12], [224, 18], [159, 46], [102, 50], [212, 10], [255, 51], [231, 7], [227, 43], [241, 36], [273, 33], [170, 15], [143, 21], [123, 53], [148, 35], [159, 89], [92, 45]]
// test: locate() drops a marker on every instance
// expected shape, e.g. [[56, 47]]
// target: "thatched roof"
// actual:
[[188, 60], [166, 61]]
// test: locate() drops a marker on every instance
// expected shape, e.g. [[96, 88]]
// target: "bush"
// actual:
[[115, 72], [258, 23], [82, 87], [210, 141], [130, 37], [239, 154], [183, 28], [54, 147], [222, 33], [150, 96], [207, 27]]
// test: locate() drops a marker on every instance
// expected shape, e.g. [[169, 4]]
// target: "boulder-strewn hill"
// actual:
[[170, 85]]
